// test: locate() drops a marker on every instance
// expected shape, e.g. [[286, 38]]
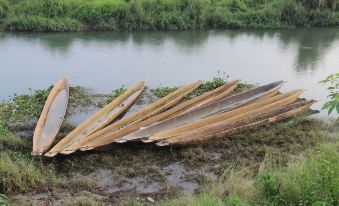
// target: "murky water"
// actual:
[[103, 61]]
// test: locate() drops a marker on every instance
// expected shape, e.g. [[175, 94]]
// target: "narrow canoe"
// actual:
[[227, 129], [206, 98], [193, 103], [247, 111], [220, 106], [51, 117], [101, 118], [146, 112]]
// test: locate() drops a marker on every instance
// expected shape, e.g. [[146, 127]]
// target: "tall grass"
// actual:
[[311, 180], [65, 15]]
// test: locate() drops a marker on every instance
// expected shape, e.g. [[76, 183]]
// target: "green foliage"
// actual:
[[237, 6], [163, 91], [4, 6], [3, 200], [24, 107], [333, 89], [41, 24], [309, 182], [234, 200], [9, 140], [19, 174], [115, 93], [293, 13], [74, 15]]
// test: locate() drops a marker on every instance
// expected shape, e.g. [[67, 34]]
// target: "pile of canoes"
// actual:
[[167, 121]]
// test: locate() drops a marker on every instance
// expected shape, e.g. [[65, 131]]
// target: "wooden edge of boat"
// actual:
[[133, 118], [207, 97], [136, 91], [224, 90], [60, 85], [262, 112], [170, 104], [137, 88], [156, 114], [265, 90], [134, 127], [249, 109], [220, 92], [278, 117]]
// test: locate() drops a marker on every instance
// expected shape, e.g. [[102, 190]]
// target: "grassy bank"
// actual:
[[278, 164], [117, 15]]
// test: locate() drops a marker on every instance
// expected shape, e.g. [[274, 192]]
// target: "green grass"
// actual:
[[9, 140], [117, 15], [311, 179], [24, 107], [115, 93], [19, 174]]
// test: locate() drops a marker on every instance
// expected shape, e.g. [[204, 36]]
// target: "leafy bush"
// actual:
[[8, 140], [293, 13], [39, 23], [4, 6], [115, 93], [308, 182], [333, 89]]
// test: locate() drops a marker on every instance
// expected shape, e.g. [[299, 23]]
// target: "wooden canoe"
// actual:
[[227, 129], [101, 118], [242, 112], [146, 112], [222, 105], [193, 103], [51, 117]]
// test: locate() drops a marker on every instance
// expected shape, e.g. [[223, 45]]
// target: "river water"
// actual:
[[103, 61]]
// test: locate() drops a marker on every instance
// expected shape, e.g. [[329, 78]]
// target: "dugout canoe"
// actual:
[[101, 118], [248, 111], [191, 104], [51, 117], [227, 129], [220, 106], [153, 109]]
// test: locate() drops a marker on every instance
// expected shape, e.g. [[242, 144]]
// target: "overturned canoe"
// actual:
[[223, 129], [153, 109], [220, 106], [51, 117], [101, 118], [191, 104], [248, 111]]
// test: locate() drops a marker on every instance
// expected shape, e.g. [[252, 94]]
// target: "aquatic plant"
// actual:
[[115, 93], [333, 89], [24, 107]]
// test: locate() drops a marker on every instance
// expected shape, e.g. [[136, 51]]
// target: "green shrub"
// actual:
[[308, 182], [24, 107], [293, 13], [9, 140], [333, 89], [40, 24], [4, 6], [238, 6]]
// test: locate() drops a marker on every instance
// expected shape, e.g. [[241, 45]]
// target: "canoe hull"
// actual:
[[51, 117]]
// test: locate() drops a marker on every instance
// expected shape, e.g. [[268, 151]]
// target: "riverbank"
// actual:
[[120, 15], [135, 174]]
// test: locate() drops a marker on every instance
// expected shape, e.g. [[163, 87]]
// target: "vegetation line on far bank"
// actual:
[[117, 15]]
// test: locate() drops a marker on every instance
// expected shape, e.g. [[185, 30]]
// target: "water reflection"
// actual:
[[312, 44], [106, 60]]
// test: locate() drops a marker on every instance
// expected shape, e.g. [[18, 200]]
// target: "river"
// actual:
[[103, 61]]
